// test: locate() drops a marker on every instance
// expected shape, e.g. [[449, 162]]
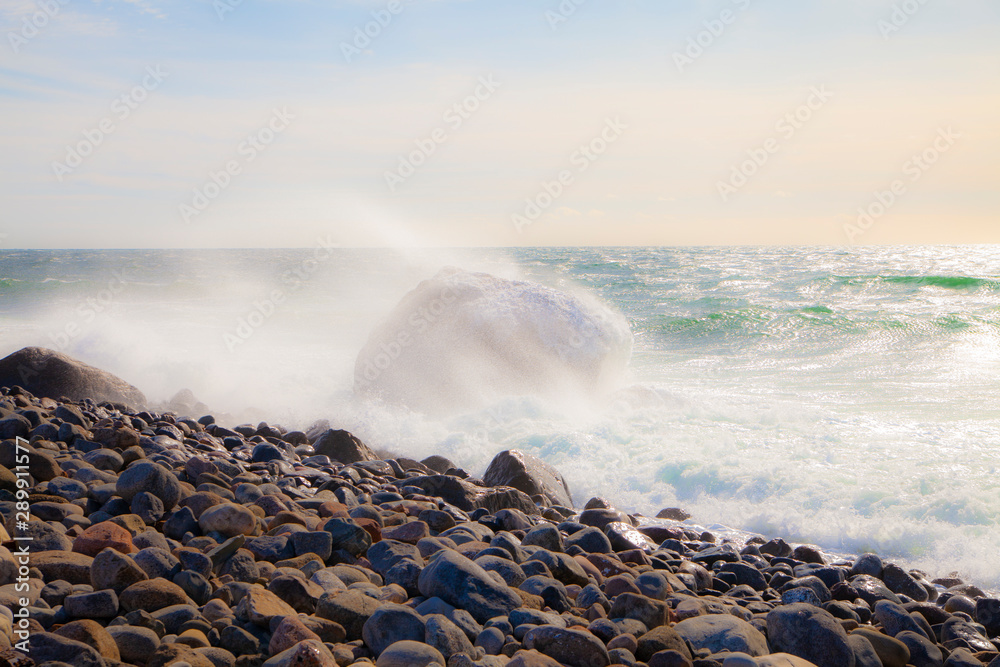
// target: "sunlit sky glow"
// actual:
[[672, 134]]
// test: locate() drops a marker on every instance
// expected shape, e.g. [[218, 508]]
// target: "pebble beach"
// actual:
[[136, 537]]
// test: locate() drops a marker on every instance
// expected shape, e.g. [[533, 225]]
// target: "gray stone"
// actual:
[[663, 638], [988, 613], [624, 537], [46, 647], [871, 590], [342, 446], [722, 632], [492, 640], [386, 553], [114, 570], [510, 571], [957, 628], [895, 619], [100, 604], [135, 644], [144, 475], [800, 594], [446, 637], [463, 584], [590, 539], [900, 581], [652, 613], [563, 567], [575, 648], [350, 608], [54, 375], [410, 654], [923, 652], [228, 519], [318, 542], [529, 474], [147, 507], [348, 536], [392, 623], [157, 563], [302, 595], [546, 536], [864, 652], [810, 633]]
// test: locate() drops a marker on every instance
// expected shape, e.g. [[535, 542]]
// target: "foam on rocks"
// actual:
[[168, 539], [463, 339]]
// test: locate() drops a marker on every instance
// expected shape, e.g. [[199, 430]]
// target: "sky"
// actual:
[[456, 123]]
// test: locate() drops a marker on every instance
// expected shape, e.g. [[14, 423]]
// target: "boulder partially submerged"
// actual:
[[462, 340], [526, 473], [51, 374]]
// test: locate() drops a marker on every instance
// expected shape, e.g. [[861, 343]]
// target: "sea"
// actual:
[[843, 397]]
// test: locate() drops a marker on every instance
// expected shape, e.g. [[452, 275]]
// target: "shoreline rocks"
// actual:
[[162, 539]]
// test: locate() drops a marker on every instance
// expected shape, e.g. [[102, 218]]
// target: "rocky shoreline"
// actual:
[[163, 539]]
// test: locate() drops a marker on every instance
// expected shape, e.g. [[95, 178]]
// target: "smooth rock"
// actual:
[[810, 633], [463, 584], [575, 648], [722, 632], [529, 474], [392, 623], [410, 654]]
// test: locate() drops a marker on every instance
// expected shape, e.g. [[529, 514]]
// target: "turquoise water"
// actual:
[[844, 397]]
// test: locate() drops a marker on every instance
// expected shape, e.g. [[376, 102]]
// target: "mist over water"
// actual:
[[844, 397]]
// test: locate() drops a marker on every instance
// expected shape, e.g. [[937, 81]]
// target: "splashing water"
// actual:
[[843, 397]]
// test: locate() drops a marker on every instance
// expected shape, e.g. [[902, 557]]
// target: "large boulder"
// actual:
[[52, 374], [722, 632], [468, 497], [526, 473], [810, 633], [343, 446], [461, 340], [463, 584]]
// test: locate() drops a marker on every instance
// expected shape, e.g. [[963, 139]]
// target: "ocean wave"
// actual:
[[969, 283]]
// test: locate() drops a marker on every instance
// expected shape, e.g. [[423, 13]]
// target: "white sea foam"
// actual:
[[847, 398]]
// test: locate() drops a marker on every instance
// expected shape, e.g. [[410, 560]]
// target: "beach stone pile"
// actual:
[[164, 540]]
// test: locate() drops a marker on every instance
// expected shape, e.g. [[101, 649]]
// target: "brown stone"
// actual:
[[260, 605], [66, 565], [93, 634], [290, 632], [201, 501], [103, 535], [308, 653], [410, 532], [168, 654], [152, 595], [371, 527], [532, 658]]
